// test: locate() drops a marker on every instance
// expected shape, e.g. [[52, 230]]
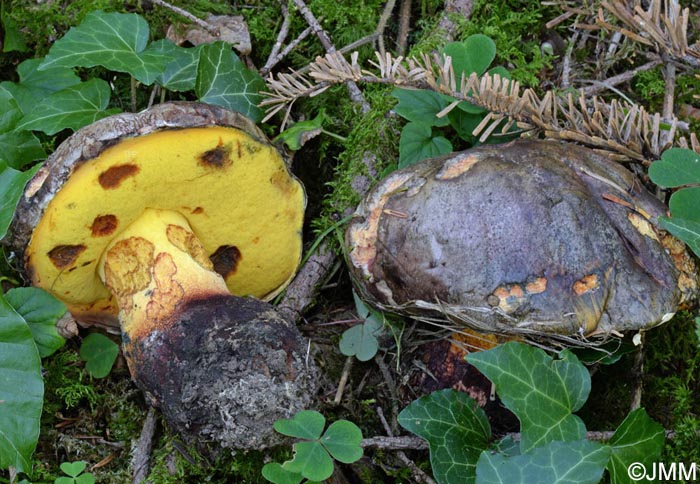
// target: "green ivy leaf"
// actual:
[[41, 311], [274, 472], [19, 148], [307, 424], [422, 106], [13, 40], [12, 184], [73, 107], [342, 440], [473, 55], [637, 439], [686, 230], [21, 390], [35, 85], [10, 112], [417, 143], [222, 79], [577, 462], [685, 204], [456, 429], [180, 73], [544, 410], [99, 353], [310, 460], [115, 41], [301, 132], [677, 167]]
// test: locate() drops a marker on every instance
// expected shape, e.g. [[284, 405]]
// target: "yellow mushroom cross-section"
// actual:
[[174, 225]]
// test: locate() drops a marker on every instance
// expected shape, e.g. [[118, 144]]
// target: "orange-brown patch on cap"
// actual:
[[225, 260], [536, 285], [217, 157], [456, 166], [586, 284]]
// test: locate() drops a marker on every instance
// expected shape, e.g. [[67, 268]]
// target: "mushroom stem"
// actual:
[[153, 267]]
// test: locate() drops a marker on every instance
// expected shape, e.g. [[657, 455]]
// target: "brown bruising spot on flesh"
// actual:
[[217, 157], [283, 182], [456, 166], [64, 256], [509, 297], [586, 284], [187, 242], [168, 293], [128, 269], [197, 211], [112, 177], [225, 260], [642, 225], [362, 237], [104, 225]]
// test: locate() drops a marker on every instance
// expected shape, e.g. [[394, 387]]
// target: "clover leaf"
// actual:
[[313, 456], [99, 352], [361, 341]]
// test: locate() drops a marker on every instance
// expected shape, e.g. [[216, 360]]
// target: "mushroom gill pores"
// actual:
[[152, 221], [527, 237]]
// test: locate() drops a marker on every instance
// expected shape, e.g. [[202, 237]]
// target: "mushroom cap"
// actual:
[[527, 237], [213, 166]]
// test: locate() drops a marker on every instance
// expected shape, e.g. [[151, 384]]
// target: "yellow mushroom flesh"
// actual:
[[233, 190], [153, 268]]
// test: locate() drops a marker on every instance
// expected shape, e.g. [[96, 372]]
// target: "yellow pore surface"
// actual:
[[234, 191]]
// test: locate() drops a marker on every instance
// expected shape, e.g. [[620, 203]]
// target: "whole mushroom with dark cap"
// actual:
[[176, 224], [528, 238]]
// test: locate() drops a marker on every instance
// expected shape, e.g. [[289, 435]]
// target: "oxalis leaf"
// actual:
[[677, 167], [274, 472], [41, 311], [116, 41], [456, 429], [577, 462], [361, 341], [73, 107], [99, 352], [12, 184], [21, 390], [222, 79], [312, 457], [421, 106], [685, 204], [418, 143], [544, 410], [637, 439], [473, 55]]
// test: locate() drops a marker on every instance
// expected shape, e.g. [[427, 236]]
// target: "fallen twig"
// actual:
[[206, 26], [141, 451]]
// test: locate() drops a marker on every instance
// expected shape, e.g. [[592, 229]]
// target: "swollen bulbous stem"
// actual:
[[155, 266]]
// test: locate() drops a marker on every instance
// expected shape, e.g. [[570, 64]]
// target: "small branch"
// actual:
[[343, 380], [670, 97], [404, 26], [620, 78], [410, 442], [275, 56], [206, 26], [638, 375], [381, 25], [418, 474], [355, 93], [141, 451]]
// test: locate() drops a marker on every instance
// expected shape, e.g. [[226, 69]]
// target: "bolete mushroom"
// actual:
[[530, 238], [165, 222]]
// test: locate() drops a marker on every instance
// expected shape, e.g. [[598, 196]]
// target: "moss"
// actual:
[[650, 88], [374, 132], [173, 463], [672, 385]]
